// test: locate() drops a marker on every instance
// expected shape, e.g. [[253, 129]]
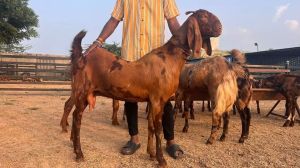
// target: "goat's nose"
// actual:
[[218, 29]]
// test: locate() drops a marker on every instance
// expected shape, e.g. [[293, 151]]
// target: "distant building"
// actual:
[[275, 57]]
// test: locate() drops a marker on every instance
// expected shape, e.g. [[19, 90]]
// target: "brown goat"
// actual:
[[100, 73], [220, 81], [288, 86]]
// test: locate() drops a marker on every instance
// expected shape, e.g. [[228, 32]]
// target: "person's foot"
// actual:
[[130, 148], [174, 150]]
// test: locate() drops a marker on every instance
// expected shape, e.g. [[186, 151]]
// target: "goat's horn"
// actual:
[[189, 12]]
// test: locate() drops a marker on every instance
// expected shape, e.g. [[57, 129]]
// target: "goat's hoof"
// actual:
[[209, 141], [64, 130], [79, 157], [242, 139], [115, 122], [185, 129], [292, 124], [287, 123], [222, 138], [192, 117], [152, 156], [162, 164]]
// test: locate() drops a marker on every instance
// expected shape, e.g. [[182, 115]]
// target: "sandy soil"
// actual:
[[30, 136]]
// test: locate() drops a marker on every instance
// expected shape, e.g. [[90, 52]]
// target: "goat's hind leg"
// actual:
[[75, 134], [225, 126], [150, 147], [67, 109], [245, 117]]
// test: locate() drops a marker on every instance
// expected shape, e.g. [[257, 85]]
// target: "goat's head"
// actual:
[[209, 26]]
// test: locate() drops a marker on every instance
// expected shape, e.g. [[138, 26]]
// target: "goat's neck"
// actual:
[[179, 39]]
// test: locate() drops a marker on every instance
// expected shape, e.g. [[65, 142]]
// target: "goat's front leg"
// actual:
[[289, 107], [225, 126], [75, 135], [293, 112], [248, 119], [114, 117], [187, 103], [178, 104], [157, 110], [216, 122], [67, 109], [209, 106], [257, 107], [192, 110]]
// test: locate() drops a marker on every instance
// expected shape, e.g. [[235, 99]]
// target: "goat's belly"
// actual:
[[198, 95], [123, 96]]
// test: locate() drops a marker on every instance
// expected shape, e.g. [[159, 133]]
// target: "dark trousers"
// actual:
[[131, 110]]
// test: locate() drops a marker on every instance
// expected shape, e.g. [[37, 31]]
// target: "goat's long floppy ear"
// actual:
[[194, 36], [207, 46]]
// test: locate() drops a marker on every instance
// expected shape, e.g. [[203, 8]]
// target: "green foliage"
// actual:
[[114, 48], [17, 23], [13, 48]]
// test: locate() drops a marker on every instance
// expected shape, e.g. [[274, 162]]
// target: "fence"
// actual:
[[44, 66]]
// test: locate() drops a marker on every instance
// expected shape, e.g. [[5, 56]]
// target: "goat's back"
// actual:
[[201, 74]]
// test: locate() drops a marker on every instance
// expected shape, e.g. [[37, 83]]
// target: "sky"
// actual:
[[273, 24]]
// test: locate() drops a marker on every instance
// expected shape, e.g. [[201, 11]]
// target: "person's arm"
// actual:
[[108, 29], [171, 12], [173, 25]]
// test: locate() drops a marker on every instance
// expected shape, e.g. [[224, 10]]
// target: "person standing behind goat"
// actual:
[[143, 30]]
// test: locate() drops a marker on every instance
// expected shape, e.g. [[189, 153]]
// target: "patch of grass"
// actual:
[[33, 108]]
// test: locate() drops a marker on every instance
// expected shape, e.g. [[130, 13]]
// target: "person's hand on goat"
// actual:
[[97, 43]]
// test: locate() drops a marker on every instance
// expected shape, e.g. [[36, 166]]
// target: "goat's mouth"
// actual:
[[217, 30]]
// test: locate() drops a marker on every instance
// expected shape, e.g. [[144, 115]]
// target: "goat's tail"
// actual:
[[76, 52], [226, 93]]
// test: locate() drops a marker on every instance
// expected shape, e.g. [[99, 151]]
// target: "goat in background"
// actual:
[[224, 84]]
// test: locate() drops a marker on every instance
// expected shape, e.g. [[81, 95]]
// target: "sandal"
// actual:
[[130, 148], [174, 151]]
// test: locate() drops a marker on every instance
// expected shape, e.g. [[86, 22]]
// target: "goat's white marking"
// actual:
[[290, 117], [293, 119]]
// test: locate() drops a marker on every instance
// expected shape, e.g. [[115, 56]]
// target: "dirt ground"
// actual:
[[30, 136]]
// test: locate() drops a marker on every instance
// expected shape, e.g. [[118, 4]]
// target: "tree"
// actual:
[[17, 23], [114, 48]]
